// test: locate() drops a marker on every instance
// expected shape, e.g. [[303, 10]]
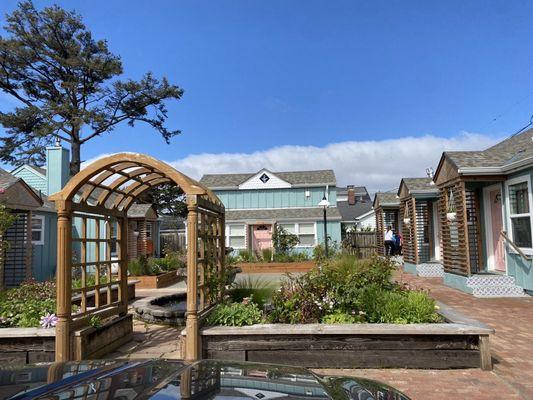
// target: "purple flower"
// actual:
[[48, 320]]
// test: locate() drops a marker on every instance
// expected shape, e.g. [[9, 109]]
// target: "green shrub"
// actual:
[[235, 314], [346, 285], [257, 289], [139, 267], [266, 255], [246, 256], [24, 306], [341, 317], [283, 240]]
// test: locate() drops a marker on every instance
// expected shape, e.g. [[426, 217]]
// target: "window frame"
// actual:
[[297, 232], [39, 242], [510, 182], [229, 236]]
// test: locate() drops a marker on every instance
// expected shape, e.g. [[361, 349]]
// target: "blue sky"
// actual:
[[260, 75]]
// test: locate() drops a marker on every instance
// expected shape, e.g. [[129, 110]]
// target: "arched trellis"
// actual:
[[97, 199]]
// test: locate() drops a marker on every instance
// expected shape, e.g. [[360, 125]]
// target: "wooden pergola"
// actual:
[[386, 207], [99, 197]]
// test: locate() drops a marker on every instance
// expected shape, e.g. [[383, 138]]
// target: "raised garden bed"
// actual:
[[459, 343], [33, 345], [158, 281], [276, 267]]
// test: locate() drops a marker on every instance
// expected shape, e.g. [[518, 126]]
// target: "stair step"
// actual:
[[498, 291], [490, 280]]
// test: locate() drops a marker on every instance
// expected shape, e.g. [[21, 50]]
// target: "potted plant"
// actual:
[[451, 214]]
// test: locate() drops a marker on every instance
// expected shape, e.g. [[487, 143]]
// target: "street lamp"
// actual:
[[324, 203]]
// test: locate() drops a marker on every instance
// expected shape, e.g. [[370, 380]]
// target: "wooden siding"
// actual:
[[408, 211], [274, 198]]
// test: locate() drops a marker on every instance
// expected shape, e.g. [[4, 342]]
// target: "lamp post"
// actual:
[[324, 203]]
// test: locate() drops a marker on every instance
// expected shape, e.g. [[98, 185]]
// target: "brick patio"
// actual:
[[512, 350]]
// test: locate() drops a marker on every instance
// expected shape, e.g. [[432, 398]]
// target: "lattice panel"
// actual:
[[453, 233], [16, 255], [472, 220], [423, 231], [380, 232], [95, 270], [407, 211]]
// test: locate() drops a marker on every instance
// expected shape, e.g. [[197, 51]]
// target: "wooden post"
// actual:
[[64, 279], [413, 228], [122, 237], [484, 353], [221, 253], [191, 325]]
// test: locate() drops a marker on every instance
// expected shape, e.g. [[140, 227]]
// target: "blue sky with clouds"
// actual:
[[348, 85]]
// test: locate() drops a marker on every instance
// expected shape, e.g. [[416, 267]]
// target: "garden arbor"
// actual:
[[92, 245]]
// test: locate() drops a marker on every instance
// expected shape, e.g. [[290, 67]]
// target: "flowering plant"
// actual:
[[48, 321]]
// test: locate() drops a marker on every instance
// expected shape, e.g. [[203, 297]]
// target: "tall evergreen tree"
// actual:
[[67, 88]]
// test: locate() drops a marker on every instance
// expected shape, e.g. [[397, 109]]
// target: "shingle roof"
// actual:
[[324, 177], [41, 170], [282, 214], [512, 149], [350, 212], [359, 190], [425, 185], [138, 210], [6, 179], [387, 198]]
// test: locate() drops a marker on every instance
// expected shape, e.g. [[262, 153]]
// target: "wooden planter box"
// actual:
[[103, 294], [157, 281], [461, 343], [276, 267], [26, 345], [92, 343]]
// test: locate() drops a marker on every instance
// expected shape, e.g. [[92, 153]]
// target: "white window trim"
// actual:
[[41, 241], [297, 232], [519, 179], [228, 236]]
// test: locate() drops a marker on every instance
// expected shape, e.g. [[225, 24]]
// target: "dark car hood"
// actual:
[[168, 379]]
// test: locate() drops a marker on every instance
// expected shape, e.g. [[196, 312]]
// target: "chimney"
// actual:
[[351, 195], [57, 168]]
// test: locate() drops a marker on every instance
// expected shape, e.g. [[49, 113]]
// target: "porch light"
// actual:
[[324, 203]]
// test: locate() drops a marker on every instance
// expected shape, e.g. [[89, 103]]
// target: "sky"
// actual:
[[374, 90]]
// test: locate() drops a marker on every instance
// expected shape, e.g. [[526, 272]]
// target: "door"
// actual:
[[494, 224], [262, 237]]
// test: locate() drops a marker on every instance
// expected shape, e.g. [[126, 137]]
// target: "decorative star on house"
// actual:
[[264, 178]]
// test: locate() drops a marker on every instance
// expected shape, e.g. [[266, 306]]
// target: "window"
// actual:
[[148, 230], [37, 229], [236, 236], [519, 207], [304, 230]]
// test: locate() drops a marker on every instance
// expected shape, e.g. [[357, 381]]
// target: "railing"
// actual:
[[514, 246]]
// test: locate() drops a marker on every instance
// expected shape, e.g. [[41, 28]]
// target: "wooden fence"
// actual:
[[173, 241], [360, 244]]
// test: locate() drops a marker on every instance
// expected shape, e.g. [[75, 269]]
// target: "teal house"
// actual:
[[485, 208], [45, 181], [256, 202]]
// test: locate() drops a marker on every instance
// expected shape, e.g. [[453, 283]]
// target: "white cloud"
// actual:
[[376, 164]]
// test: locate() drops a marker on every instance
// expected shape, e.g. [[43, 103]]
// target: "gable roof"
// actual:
[[35, 168], [349, 212], [18, 193], [418, 186], [386, 199], [500, 158], [295, 178], [138, 210]]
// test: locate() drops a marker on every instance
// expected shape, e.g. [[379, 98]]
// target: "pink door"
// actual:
[[497, 226], [261, 237]]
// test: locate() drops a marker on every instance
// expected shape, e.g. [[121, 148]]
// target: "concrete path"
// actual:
[[512, 349]]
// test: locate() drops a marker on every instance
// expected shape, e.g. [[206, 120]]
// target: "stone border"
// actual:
[[460, 343], [145, 310]]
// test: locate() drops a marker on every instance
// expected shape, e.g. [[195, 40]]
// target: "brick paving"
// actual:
[[512, 350]]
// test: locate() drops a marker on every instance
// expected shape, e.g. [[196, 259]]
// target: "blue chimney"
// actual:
[[57, 168]]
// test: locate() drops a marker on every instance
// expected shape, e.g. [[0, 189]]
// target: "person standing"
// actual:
[[398, 244], [389, 241]]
